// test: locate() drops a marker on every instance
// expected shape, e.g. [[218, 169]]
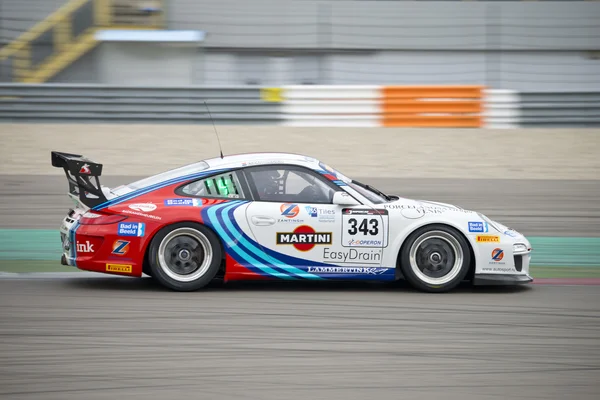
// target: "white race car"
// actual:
[[278, 216]]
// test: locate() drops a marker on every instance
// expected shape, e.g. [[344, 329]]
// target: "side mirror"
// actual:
[[344, 199]]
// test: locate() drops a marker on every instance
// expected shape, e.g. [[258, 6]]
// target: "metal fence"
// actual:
[[556, 109], [307, 105], [98, 103]]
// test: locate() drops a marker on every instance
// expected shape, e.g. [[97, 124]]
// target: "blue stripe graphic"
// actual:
[[258, 251], [242, 257], [156, 186], [267, 262]]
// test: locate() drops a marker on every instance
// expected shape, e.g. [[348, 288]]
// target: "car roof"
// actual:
[[249, 159]]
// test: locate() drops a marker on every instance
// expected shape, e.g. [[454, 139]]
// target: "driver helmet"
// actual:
[[267, 182]]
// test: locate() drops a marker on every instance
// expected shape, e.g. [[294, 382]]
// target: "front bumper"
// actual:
[[496, 279]]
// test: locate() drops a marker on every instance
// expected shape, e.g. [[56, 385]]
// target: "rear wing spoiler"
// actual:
[[80, 171]]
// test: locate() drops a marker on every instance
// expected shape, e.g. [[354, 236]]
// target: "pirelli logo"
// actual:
[[488, 239], [121, 268]]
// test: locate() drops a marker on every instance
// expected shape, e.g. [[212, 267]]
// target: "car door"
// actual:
[[301, 230]]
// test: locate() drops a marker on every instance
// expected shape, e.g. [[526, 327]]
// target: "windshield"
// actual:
[[374, 195], [162, 177]]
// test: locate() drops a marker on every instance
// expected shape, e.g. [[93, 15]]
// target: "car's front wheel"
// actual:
[[185, 256], [435, 258]]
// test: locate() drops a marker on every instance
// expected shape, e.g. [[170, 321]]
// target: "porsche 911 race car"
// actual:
[[277, 216]]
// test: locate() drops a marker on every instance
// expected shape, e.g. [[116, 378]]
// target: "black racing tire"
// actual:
[[185, 256], [146, 269], [435, 258]]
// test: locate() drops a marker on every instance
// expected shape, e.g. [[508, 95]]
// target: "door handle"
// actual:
[[262, 221]]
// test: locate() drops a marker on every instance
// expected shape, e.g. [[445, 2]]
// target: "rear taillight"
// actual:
[[91, 218]]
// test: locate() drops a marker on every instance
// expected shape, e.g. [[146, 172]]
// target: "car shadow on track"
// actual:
[[148, 284]]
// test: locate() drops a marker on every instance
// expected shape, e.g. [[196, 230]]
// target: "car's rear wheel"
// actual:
[[185, 256], [435, 258]]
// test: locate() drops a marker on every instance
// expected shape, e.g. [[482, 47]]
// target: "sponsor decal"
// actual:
[[497, 254], [368, 211], [145, 207], [86, 247], [312, 211], [498, 269], [417, 209], [488, 238], [120, 247], [290, 211], [478, 227], [122, 268], [347, 270], [322, 214], [304, 238], [141, 214], [260, 162], [364, 243], [353, 256], [85, 169], [179, 202], [511, 233], [131, 229]]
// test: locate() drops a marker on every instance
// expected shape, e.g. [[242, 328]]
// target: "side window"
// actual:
[[225, 185], [289, 185]]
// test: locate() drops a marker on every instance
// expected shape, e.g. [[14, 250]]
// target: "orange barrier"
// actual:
[[432, 106]]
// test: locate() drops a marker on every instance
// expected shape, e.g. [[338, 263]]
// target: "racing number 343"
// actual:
[[367, 226]]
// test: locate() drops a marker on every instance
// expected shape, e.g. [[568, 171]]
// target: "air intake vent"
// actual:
[[519, 263]]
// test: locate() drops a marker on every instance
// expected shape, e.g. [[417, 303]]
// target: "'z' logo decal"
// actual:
[[120, 247]]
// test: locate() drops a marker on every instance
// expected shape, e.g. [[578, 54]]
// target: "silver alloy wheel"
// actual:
[[436, 257], [185, 254]]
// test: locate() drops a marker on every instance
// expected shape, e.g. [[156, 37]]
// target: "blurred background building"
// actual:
[[520, 45]]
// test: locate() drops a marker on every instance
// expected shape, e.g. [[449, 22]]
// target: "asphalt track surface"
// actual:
[[104, 337], [534, 207], [124, 338]]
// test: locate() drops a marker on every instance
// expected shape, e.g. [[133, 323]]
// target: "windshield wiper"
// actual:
[[379, 192], [371, 188]]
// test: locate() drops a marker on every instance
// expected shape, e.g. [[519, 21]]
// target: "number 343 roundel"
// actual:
[[364, 228]]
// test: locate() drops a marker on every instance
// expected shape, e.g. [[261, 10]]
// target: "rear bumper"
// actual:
[[495, 279]]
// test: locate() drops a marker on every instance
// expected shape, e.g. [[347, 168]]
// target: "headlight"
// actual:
[[490, 222], [519, 248]]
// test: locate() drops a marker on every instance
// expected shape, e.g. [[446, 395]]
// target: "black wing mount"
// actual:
[[80, 171]]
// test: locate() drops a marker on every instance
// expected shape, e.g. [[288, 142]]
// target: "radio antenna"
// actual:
[[215, 128]]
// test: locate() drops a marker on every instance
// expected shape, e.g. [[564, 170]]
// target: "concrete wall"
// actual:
[[544, 45], [375, 152], [147, 64], [406, 25]]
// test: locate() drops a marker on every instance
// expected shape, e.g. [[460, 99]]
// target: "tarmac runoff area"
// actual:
[[106, 338], [81, 335]]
